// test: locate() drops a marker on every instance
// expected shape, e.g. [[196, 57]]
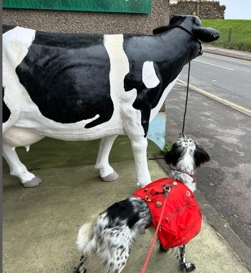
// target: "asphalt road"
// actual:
[[225, 182], [225, 77]]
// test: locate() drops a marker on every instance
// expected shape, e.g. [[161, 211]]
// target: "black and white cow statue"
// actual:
[[83, 87]]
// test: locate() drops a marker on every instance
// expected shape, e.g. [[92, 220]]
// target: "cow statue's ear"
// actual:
[[174, 21], [160, 29], [206, 34]]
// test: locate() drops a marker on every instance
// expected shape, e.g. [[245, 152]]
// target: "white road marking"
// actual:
[[214, 65]]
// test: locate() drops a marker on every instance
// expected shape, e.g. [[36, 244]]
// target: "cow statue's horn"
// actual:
[[206, 34]]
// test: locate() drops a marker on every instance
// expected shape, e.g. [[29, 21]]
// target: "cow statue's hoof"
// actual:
[[111, 177], [32, 183]]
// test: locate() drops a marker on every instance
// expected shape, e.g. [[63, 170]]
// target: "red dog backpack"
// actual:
[[181, 220]]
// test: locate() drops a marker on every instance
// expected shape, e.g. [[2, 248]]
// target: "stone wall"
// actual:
[[89, 22], [204, 9]]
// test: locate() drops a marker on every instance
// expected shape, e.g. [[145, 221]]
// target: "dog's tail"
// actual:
[[85, 241]]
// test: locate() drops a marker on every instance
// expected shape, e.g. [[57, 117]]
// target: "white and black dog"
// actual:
[[117, 227]]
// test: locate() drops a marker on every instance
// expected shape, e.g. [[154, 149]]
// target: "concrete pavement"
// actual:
[[40, 224]]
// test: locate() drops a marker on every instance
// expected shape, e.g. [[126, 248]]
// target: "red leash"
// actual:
[[167, 189]]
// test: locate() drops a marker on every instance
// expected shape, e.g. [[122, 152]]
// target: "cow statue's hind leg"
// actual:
[[19, 137], [107, 173], [18, 169]]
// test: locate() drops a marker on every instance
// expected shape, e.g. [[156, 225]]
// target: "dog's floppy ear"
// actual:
[[173, 156], [200, 155]]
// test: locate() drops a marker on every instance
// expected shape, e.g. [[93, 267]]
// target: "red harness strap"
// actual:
[[181, 219]]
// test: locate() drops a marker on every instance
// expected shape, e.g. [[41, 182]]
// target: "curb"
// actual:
[[242, 55]]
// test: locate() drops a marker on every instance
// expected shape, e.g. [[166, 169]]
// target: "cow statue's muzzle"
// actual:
[[203, 34]]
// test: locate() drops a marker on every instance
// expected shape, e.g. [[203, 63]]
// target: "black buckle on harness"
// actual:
[[167, 188]]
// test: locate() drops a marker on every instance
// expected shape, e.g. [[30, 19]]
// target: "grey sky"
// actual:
[[237, 9]]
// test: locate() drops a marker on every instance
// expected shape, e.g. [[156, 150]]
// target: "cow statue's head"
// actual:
[[192, 25]]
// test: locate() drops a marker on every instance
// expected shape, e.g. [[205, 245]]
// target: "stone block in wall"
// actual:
[[204, 9]]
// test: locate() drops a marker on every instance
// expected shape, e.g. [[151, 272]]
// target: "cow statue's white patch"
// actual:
[[15, 47], [149, 76], [119, 68]]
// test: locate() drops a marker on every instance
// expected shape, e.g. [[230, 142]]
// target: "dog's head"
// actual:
[[187, 153]]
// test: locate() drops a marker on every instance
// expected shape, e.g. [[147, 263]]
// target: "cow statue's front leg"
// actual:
[[18, 169], [107, 173], [139, 148]]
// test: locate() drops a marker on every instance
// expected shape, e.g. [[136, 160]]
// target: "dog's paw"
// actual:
[[187, 267], [80, 267], [79, 270], [162, 249]]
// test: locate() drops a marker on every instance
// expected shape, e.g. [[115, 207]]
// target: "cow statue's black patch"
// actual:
[[6, 28], [6, 110], [67, 77]]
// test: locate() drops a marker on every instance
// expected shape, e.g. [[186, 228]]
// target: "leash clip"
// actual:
[[167, 188]]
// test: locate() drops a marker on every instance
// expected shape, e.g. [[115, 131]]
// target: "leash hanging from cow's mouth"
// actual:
[[188, 78], [185, 111]]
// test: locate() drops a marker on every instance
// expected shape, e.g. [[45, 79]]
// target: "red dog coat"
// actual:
[[181, 219]]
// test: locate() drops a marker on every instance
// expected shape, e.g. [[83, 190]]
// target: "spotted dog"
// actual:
[[115, 230]]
